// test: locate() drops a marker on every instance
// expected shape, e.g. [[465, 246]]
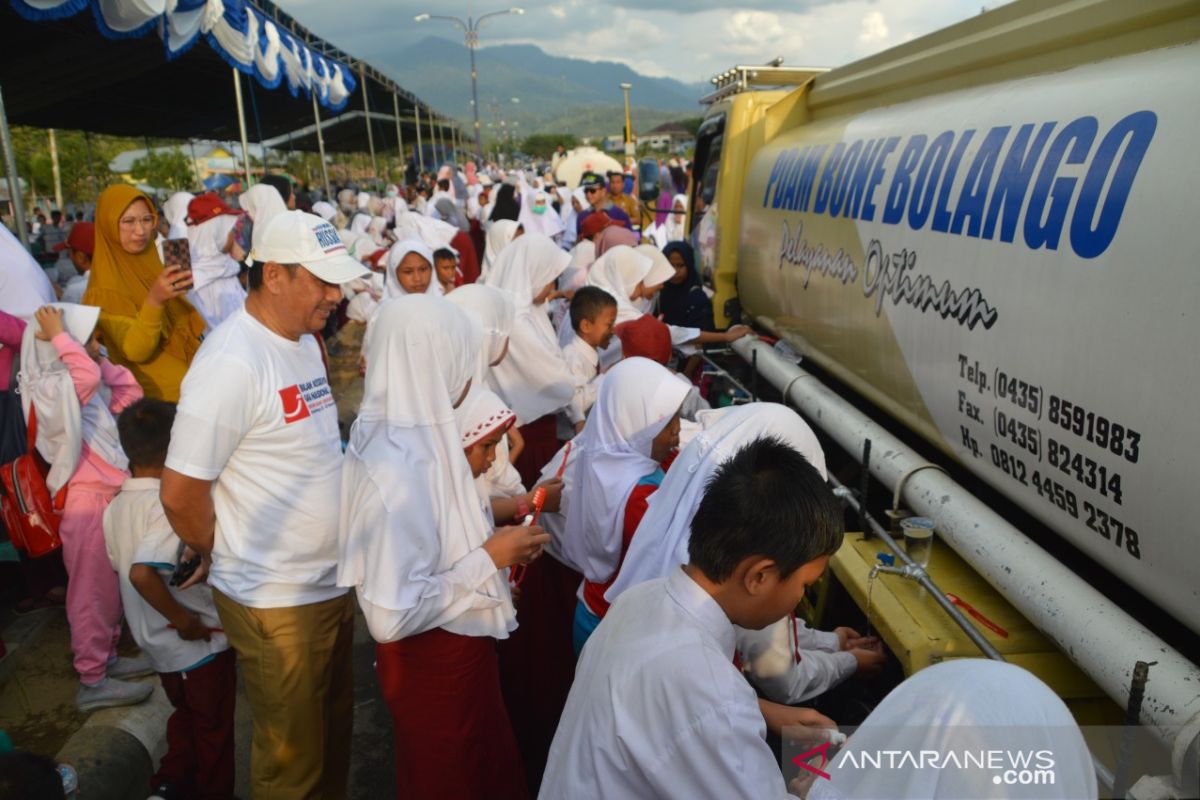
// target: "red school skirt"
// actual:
[[537, 661], [452, 732], [541, 445]]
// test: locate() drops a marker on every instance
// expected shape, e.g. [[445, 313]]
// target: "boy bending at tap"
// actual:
[[658, 708], [176, 627]]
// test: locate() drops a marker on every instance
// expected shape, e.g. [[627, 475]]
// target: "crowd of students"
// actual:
[[581, 580]]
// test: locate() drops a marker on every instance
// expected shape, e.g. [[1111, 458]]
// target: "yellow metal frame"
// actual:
[[919, 633]]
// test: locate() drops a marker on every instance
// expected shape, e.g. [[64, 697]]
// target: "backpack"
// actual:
[[30, 514]]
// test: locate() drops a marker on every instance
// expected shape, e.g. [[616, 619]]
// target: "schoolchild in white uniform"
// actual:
[[658, 709]]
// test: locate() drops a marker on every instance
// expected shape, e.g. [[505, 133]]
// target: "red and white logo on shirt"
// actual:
[[294, 407]]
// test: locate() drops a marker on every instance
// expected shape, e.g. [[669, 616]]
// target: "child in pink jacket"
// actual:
[[77, 393]]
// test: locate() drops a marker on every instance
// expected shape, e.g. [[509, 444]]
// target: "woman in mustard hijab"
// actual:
[[145, 322]]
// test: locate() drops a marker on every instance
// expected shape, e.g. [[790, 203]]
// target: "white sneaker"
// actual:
[[132, 667], [112, 692]]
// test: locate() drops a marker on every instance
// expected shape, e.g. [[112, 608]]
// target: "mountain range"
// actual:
[[554, 94]]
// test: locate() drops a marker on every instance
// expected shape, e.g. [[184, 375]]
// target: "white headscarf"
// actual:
[[24, 287], [570, 216], [533, 379], [675, 230], [433, 232], [375, 229], [406, 452], [661, 270], [262, 202], [499, 236], [668, 520], [62, 424], [359, 224], [207, 242], [481, 413], [617, 272], [392, 287], [496, 313], [963, 706], [363, 200], [636, 401], [175, 213], [324, 210], [548, 223]]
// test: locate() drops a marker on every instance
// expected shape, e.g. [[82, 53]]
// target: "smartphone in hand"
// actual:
[[177, 254]]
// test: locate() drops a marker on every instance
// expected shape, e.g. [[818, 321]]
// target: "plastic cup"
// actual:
[[918, 538]]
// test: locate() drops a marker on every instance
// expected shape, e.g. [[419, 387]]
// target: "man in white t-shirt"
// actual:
[[253, 482]]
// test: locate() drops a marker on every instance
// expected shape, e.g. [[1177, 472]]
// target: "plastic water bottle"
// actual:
[[70, 780]]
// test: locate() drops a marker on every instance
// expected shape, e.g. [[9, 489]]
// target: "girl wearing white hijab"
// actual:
[[575, 202], [428, 570], [216, 292], [174, 217], [495, 312], [533, 379], [483, 420], [674, 227], [262, 202], [397, 271], [499, 236], [325, 211], [963, 707], [433, 232], [76, 394], [538, 216], [633, 427], [175, 212]]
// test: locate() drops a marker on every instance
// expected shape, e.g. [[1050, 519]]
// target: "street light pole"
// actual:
[[471, 32], [629, 148]]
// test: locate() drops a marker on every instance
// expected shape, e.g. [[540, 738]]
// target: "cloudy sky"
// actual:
[[685, 39]]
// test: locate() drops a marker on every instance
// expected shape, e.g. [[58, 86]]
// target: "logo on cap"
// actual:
[[327, 238]]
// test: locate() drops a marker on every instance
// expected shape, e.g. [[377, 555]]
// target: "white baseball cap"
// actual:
[[296, 237]]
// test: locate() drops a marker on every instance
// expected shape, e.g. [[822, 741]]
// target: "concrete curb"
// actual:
[[116, 749]]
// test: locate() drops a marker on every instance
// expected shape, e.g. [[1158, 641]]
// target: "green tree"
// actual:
[[544, 144], [164, 169], [82, 160]]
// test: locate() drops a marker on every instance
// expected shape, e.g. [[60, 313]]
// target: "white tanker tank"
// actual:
[[992, 234]]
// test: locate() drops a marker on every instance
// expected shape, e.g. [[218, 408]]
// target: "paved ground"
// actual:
[[37, 682]]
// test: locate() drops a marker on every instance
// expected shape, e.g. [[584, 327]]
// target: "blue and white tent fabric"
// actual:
[[238, 32]]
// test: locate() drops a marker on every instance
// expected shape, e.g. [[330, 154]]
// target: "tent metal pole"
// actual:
[[433, 141], [420, 148], [399, 133], [14, 183], [321, 145], [55, 171], [87, 142], [195, 164], [362, 72], [237, 90]]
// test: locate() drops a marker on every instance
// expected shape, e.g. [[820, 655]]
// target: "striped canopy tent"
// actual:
[[214, 69]]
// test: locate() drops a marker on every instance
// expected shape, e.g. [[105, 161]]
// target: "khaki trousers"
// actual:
[[297, 667]]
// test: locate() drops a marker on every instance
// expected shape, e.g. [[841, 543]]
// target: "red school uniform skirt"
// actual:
[[452, 732]]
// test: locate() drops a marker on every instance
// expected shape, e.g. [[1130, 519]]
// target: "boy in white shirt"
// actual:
[[593, 317], [177, 628], [658, 709]]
